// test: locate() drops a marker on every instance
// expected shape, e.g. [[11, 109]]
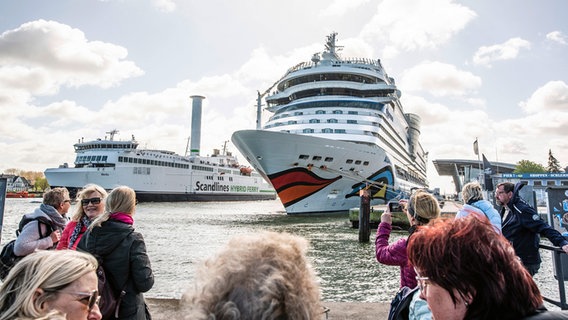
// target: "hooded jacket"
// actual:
[[125, 261], [523, 227], [395, 254]]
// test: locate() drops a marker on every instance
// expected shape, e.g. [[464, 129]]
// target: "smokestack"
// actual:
[[195, 125]]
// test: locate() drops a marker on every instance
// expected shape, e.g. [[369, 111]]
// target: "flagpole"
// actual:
[[476, 150]]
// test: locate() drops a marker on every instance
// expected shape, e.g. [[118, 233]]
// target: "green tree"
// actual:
[[527, 166], [41, 184], [553, 165]]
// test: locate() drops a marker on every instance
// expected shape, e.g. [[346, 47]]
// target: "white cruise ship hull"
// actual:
[[318, 175]]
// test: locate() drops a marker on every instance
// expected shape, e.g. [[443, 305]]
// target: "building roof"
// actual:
[[447, 167], [456, 169]]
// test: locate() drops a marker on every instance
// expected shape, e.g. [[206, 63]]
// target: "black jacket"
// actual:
[[523, 227], [125, 261]]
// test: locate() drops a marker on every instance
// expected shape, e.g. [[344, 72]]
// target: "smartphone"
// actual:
[[395, 207]]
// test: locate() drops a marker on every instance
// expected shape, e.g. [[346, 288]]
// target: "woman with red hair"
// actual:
[[468, 271]]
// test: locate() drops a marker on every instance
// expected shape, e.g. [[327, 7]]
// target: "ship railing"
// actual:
[[309, 64], [560, 263]]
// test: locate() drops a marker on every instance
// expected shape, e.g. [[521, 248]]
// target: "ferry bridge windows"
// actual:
[[331, 120], [339, 131], [327, 130], [141, 170], [314, 121], [308, 131]]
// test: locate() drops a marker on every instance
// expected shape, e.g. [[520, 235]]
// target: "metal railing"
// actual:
[[559, 274]]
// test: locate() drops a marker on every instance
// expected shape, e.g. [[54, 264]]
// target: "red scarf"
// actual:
[[122, 217]]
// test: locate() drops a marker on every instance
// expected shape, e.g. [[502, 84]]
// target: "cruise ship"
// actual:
[[160, 175], [337, 128]]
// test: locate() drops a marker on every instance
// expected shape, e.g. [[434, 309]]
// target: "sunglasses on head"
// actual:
[[91, 200]]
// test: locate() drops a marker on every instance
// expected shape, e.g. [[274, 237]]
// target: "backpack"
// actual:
[[110, 301], [8, 258], [400, 303]]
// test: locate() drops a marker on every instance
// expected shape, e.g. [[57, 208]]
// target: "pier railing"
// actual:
[[560, 261]]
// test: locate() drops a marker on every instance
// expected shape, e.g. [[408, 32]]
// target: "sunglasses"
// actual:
[[91, 200], [88, 299]]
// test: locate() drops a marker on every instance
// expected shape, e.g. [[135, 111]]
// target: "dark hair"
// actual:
[[468, 258], [507, 186]]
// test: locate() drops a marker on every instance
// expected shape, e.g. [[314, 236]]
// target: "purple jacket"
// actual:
[[394, 255]]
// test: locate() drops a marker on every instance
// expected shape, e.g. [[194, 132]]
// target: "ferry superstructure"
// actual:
[[160, 175], [337, 127]]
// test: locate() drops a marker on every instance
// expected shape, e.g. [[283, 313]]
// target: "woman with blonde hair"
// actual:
[[122, 252], [475, 204], [420, 209], [47, 283], [90, 204]]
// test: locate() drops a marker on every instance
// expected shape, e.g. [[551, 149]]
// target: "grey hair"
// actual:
[[259, 276]]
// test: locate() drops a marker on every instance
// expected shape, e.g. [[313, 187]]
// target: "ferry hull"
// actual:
[[318, 175], [162, 185]]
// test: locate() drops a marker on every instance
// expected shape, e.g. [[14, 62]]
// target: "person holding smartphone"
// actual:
[[420, 209]]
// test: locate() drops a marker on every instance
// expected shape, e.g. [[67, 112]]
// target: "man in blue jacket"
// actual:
[[523, 226]]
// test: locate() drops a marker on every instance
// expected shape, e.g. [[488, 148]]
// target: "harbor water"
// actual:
[[179, 235]]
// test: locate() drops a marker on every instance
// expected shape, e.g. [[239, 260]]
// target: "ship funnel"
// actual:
[[413, 133], [195, 125]]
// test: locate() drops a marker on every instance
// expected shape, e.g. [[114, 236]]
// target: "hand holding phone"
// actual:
[[394, 207]]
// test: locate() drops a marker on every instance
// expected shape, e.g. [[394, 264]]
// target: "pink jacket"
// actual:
[[394, 255], [66, 235]]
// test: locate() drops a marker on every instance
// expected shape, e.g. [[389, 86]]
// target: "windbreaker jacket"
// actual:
[[125, 261], [482, 208], [394, 255], [523, 228]]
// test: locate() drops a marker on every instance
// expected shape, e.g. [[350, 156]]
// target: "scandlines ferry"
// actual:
[[159, 175], [337, 128]]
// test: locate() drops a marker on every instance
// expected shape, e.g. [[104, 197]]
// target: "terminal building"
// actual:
[[464, 171]]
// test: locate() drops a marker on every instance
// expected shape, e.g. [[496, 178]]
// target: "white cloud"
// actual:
[[558, 37], [165, 5], [341, 7], [60, 55], [552, 96], [506, 51], [440, 79], [414, 24]]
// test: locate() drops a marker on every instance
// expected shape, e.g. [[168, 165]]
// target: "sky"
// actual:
[[495, 71]]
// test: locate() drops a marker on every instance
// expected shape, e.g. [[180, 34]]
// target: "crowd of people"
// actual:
[[64, 283], [478, 265]]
